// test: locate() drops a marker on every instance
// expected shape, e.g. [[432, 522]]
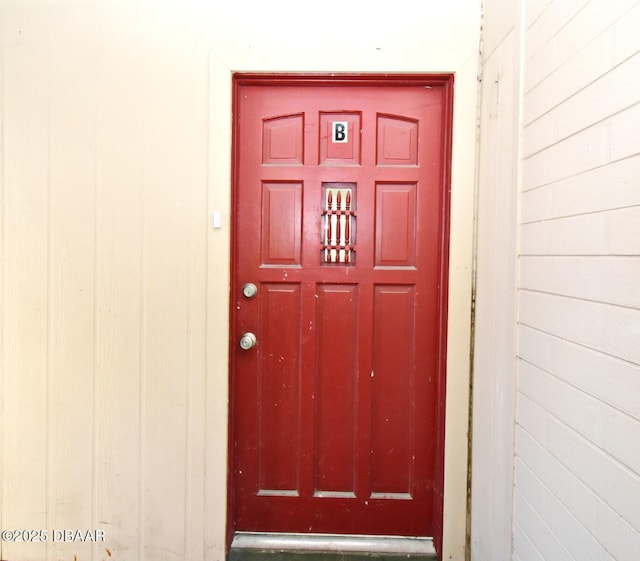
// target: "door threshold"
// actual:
[[359, 545]]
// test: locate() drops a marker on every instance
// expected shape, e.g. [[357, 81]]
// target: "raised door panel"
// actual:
[[281, 223], [397, 141], [278, 392], [335, 430], [282, 140], [339, 142], [393, 403], [395, 226]]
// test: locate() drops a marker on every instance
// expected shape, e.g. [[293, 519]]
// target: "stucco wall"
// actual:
[[116, 129]]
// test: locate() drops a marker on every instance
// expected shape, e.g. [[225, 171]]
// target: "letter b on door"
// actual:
[[339, 131]]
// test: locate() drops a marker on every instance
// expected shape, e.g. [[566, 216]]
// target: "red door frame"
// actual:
[[444, 81]]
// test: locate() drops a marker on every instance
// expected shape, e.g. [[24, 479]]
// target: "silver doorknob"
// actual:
[[249, 290], [248, 341]]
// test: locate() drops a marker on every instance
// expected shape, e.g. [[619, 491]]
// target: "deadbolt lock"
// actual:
[[248, 341]]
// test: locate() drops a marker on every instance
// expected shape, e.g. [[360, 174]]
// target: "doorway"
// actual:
[[340, 238]]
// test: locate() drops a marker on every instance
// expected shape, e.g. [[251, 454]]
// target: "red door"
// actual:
[[337, 385]]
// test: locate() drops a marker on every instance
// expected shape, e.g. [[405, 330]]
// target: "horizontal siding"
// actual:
[[499, 21], [577, 490], [611, 47], [610, 187], [607, 378], [599, 423], [533, 11], [581, 277], [615, 232], [585, 26], [569, 506], [544, 544], [613, 93], [609, 329], [524, 548], [550, 18], [576, 538], [605, 142], [614, 483]]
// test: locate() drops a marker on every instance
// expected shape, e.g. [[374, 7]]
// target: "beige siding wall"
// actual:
[[562, 137], [116, 124], [495, 294], [104, 252], [578, 421]]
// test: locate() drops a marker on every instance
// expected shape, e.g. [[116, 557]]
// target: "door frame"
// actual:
[[444, 81]]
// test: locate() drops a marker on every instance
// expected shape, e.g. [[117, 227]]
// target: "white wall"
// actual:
[[116, 127], [559, 157], [578, 414], [495, 293]]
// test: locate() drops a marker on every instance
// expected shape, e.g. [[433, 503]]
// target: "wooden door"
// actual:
[[340, 223]]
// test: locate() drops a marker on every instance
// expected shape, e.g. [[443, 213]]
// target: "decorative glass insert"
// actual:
[[338, 223]]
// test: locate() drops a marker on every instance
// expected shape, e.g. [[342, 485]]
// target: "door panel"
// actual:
[[281, 239], [283, 140], [340, 222], [393, 440], [395, 225], [278, 403], [397, 142], [335, 425]]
